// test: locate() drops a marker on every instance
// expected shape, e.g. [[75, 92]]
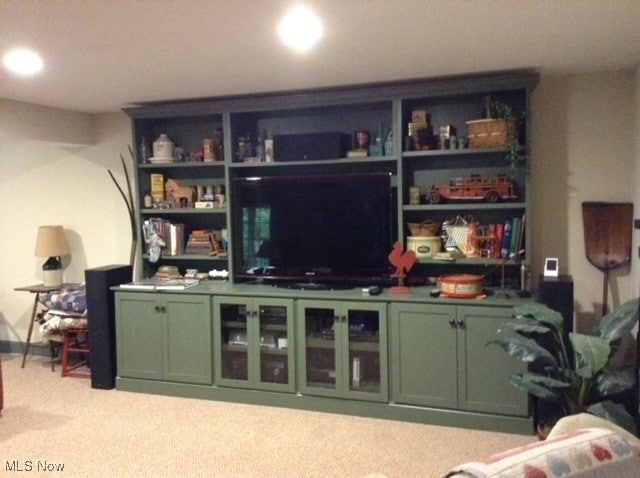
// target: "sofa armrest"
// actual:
[[585, 453]]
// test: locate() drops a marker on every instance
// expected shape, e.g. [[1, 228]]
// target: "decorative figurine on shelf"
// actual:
[[156, 243], [403, 261], [180, 196]]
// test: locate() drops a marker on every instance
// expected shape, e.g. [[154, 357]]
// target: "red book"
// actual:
[[497, 244]]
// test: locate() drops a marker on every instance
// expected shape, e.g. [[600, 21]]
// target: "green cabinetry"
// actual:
[[173, 220], [164, 337], [439, 359], [342, 349], [420, 158], [254, 343]]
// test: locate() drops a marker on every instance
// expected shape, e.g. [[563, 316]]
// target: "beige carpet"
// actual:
[[51, 421]]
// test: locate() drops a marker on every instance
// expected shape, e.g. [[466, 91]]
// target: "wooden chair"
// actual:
[[75, 341]]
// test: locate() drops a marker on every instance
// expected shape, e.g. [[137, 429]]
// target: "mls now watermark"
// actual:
[[31, 465]]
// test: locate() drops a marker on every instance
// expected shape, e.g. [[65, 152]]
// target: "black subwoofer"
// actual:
[[102, 326]]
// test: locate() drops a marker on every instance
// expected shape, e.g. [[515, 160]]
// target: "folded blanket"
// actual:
[[53, 322], [71, 298]]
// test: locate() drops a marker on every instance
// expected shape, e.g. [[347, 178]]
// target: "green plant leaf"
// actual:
[[526, 350], [617, 324], [540, 313], [592, 353], [528, 328], [614, 412], [543, 387], [614, 380]]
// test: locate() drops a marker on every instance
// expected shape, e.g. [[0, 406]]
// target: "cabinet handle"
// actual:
[[452, 323], [461, 323]]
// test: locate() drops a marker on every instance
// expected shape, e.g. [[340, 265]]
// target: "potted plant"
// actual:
[[573, 370], [516, 157], [498, 129]]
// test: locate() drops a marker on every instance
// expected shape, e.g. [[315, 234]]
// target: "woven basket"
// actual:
[[490, 133], [424, 228]]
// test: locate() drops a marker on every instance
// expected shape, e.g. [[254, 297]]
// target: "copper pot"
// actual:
[[461, 286]]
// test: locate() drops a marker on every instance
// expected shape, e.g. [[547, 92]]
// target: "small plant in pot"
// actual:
[[516, 157], [573, 370]]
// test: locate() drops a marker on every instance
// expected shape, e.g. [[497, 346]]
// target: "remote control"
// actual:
[[374, 290]]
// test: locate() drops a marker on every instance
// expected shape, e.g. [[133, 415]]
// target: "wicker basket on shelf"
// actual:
[[424, 228], [490, 133]]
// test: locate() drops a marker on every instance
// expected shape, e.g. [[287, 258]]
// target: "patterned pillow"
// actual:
[[585, 453], [72, 298]]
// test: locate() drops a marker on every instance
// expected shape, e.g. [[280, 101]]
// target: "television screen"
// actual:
[[324, 229]]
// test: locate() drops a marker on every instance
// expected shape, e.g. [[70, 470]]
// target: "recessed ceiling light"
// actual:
[[22, 61], [300, 29]]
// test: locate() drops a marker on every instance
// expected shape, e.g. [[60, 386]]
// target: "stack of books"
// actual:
[[200, 242], [171, 233], [509, 238]]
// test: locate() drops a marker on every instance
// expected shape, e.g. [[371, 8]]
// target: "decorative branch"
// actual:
[[129, 202]]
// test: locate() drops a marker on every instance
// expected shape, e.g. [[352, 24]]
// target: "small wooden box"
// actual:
[[490, 133]]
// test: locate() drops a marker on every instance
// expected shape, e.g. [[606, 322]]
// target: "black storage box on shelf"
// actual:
[[311, 146]]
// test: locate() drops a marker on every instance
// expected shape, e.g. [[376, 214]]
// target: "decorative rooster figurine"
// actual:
[[403, 262]]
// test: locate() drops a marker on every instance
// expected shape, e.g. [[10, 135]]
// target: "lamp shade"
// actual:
[[51, 242]]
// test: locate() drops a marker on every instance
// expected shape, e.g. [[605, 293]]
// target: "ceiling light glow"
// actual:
[[23, 61], [300, 29]]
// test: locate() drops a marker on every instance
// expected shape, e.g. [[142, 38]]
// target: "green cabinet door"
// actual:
[[439, 358], [423, 358], [164, 337], [484, 371], [187, 338], [138, 335], [342, 349], [254, 343]]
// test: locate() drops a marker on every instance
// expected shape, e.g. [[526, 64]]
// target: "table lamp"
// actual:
[[52, 243]]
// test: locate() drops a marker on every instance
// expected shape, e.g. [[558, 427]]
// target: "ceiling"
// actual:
[[103, 55]]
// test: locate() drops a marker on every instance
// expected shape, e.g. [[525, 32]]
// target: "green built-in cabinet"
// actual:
[[398, 357], [416, 358], [254, 342], [342, 349], [439, 358], [378, 109], [164, 337]]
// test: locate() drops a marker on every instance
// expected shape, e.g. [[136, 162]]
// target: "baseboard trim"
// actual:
[[13, 347]]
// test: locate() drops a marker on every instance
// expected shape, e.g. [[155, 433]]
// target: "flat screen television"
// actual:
[[312, 231]]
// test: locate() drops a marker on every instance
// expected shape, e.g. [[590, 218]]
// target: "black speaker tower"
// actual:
[[557, 294], [102, 326]]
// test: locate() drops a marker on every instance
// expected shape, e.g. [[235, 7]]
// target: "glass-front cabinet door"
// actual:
[[342, 349], [254, 342]]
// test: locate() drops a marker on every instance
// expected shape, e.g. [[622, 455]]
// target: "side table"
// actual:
[[37, 289]]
